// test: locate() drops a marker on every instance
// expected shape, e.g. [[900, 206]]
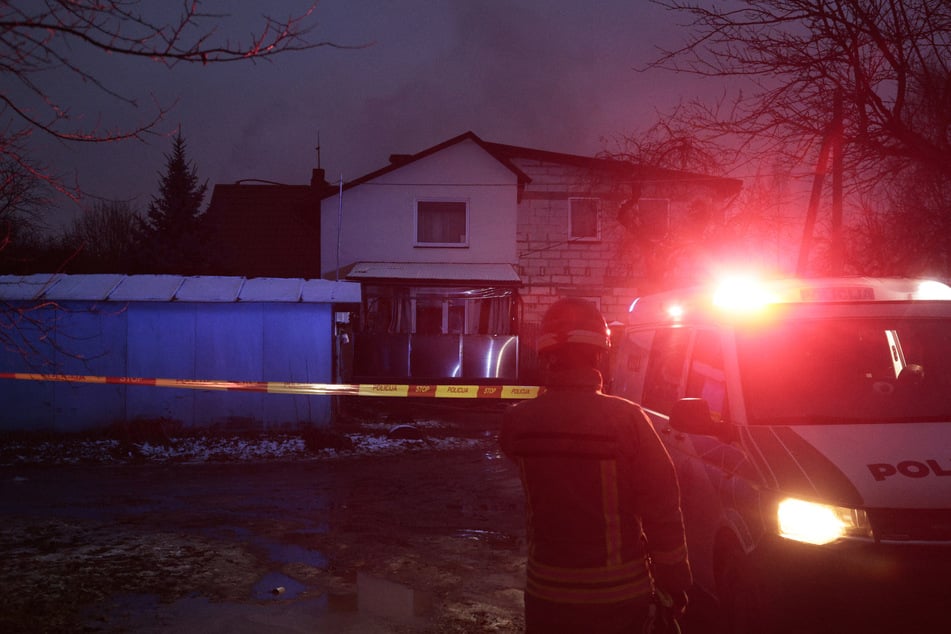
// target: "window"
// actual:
[[438, 310], [706, 378], [843, 370], [584, 219], [662, 385], [442, 223], [440, 316]]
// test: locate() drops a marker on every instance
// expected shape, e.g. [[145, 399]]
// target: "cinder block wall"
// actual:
[[551, 265]]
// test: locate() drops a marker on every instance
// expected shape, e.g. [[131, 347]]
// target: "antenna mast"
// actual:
[[318, 148]]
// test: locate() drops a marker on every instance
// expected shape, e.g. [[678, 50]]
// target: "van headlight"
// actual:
[[815, 523]]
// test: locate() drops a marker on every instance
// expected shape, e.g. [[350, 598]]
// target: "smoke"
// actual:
[[556, 75]]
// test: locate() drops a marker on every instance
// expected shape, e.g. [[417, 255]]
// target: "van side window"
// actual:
[[706, 378], [665, 369], [631, 363]]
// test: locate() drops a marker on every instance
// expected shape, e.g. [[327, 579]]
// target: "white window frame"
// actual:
[[456, 245], [446, 305], [571, 231]]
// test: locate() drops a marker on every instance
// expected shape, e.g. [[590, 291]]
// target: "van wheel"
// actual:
[[741, 607]]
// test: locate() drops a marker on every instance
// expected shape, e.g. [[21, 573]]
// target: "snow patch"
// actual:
[[372, 439]]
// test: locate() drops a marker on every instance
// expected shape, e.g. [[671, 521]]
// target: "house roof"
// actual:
[[264, 229], [506, 154], [399, 160], [173, 288], [623, 168], [435, 272]]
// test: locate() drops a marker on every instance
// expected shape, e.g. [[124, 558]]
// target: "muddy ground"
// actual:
[[129, 543]]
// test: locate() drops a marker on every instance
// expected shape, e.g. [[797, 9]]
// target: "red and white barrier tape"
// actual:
[[273, 387]]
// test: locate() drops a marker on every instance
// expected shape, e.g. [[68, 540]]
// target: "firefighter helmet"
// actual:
[[573, 321]]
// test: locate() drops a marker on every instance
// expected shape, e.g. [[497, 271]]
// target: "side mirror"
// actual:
[[911, 375], [692, 416]]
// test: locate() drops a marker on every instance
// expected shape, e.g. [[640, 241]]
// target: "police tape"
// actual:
[[275, 387]]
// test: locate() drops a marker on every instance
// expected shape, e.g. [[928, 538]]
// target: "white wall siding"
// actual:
[[379, 215]]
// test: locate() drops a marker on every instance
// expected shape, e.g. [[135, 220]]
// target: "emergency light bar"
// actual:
[[744, 295]]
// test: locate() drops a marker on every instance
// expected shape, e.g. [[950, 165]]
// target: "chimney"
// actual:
[[318, 180]]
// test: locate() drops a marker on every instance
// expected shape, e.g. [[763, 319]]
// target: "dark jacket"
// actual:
[[601, 495]]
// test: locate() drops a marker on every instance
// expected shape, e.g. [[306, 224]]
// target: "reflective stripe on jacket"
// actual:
[[600, 493]]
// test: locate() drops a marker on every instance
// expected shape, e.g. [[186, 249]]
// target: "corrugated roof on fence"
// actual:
[[207, 288], [97, 287], [271, 289], [26, 287], [147, 288], [166, 288], [343, 292]]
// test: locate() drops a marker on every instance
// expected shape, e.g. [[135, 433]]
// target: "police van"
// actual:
[[810, 425]]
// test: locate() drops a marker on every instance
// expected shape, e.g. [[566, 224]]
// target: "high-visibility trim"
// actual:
[[670, 557], [612, 514], [276, 387], [598, 339], [637, 588], [383, 390], [600, 575]]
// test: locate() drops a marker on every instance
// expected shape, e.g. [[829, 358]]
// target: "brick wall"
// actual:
[[552, 266], [610, 271]]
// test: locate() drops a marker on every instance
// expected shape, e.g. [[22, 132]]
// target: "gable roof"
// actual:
[[621, 168], [507, 154], [399, 160], [264, 230]]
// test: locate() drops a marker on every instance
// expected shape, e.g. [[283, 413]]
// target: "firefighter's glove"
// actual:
[[674, 603], [665, 611]]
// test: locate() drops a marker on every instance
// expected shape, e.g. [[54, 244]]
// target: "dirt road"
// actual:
[[275, 545]]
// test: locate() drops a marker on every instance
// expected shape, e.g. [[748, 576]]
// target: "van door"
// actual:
[[688, 362], [707, 461], [664, 378], [630, 365]]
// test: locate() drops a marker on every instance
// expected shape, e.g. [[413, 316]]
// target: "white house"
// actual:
[[461, 247], [432, 240]]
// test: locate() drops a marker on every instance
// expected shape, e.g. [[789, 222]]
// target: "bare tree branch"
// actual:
[[40, 41], [890, 60], [792, 55]]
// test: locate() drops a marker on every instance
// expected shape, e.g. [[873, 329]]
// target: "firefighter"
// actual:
[[605, 530]]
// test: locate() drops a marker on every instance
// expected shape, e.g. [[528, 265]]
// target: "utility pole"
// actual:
[[831, 144], [837, 240]]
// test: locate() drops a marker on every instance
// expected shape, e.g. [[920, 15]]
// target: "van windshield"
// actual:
[[847, 370]]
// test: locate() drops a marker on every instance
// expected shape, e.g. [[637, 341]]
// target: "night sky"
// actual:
[[556, 75]]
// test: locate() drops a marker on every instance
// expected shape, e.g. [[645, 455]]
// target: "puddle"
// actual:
[[276, 586], [321, 528], [491, 538], [230, 533], [146, 614], [291, 554]]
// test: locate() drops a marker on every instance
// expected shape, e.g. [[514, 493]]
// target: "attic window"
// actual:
[[584, 219], [442, 223]]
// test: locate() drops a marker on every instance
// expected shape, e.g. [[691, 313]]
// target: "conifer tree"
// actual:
[[171, 238]]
